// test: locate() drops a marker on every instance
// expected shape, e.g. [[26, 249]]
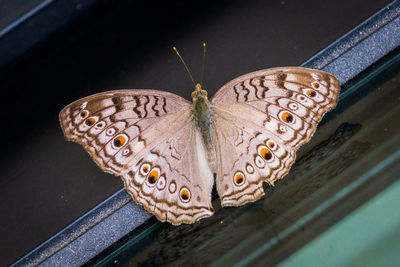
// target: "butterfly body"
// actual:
[[167, 149], [203, 118]]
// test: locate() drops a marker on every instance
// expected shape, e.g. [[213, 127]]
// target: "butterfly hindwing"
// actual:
[[173, 181], [246, 158]]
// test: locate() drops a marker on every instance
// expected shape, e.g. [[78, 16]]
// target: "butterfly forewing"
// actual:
[[117, 127]]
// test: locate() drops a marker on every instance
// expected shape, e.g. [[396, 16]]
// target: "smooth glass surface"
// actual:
[[378, 240]]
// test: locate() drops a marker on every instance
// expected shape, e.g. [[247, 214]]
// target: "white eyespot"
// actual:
[[249, 168], [111, 131], [239, 178], [161, 183], [83, 106], [145, 169], [172, 187], [126, 151], [301, 98], [282, 128], [315, 76], [100, 125], [293, 106], [184, 194], [260, 163]]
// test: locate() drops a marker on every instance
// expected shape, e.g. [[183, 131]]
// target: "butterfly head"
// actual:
[[199, 92]]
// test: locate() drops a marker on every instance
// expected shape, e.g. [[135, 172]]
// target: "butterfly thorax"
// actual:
[[203, 118]]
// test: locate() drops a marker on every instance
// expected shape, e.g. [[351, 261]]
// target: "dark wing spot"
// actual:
[[152, 179]]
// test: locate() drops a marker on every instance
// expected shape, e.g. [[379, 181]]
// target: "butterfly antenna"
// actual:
[[203, 64], [184, 64]]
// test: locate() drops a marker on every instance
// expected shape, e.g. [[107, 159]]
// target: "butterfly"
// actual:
[[167, 149]]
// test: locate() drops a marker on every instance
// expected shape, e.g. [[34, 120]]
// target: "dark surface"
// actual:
[[12, 10], [47, 183]]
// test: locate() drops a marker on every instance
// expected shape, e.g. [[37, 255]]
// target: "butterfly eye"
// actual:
[[265, 153], [90, 121], [119, 141], [315, 85], [239, 178], [311, 93], [144, 169], [287, 117], [153, 176], [193, 94], [84, 114], [185, 194], [204, 92]]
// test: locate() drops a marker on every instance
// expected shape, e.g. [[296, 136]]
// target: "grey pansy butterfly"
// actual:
[[167, 149]]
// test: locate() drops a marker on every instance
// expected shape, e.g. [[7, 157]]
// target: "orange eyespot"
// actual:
[[153, 177], [100, 125], [287, 117], [315, 85], [265, 153], [84, 114], [239, 178], [185, 195], [90, 121], [144, 169], [271, 144], [311, 93], [119, 141]]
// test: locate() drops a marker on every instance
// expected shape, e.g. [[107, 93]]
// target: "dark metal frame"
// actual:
[[118, 215]]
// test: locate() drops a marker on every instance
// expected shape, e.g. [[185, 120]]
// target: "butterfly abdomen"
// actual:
[[203, 118]]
